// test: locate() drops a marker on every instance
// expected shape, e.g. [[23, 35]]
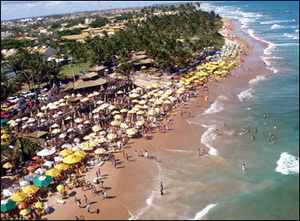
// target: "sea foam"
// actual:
[[275, 21], [247, 94], [287, 164], [209, 136], [203, 212], [275, 26], [257, 79], [217, 106]]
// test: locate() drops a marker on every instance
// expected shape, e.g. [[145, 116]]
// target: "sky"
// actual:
[[25, 9]]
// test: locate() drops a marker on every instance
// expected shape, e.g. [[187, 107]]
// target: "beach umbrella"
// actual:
[[87, 148], [78, 120], [8, 192], [86, 122], [44, 108], [120, 92], [62, 136], [31, 189], [18, 197], [80, 153], [139, 123], [24, 212], [46, 152], [132, 111], [115, 112], [5, 136], [56, 131], [114, 123], [24, 183], [35, 158], [92, 144], [33, 167], [29, 178], [87, 137], [40, 171], [58, 159], [123, 110], [11, 122], [100, 102], [96, 128], [7, 165], [135, 101], [39, 205], [78, 95], [22, 205], [124, 125], [62, 166], [133, 95], [111, 107], [140, 112], [118, 117], [142, 102], [53, 172], [24, 118], [72, 159], [68, 118], [77, 140], [84, 99], [100, 151], [95, 93], [48, 163], [65, 152], [30, 120], [55, 125], [60, 188], [143, 67], [7, 204], [156, 85], [111, 136], [102, 140], [131, 131], [42, 180]]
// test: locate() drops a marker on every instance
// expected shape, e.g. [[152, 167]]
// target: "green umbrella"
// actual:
[[42, 180], [7, 205], [3, 121]]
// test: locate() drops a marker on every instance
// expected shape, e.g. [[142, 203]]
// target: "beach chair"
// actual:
[[59, 201]]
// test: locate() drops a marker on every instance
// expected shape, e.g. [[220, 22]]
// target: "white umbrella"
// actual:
[[62, 136], [40, 171], [58, 159], [86, 122], [78, 120], [48, 163], [43, 120], [25, 118], [8, 192], [30, 120], [24, 183], [24, 126], [46, 152], [102, 132], [54, 125], [76, 140], [70, 129]]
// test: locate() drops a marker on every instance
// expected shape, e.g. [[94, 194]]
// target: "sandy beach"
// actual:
[[128, 185]]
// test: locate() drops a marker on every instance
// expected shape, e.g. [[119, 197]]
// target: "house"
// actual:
[[46, 51]]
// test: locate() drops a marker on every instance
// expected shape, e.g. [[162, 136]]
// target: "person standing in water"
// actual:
[[243, 166]]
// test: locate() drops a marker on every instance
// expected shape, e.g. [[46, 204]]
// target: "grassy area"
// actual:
[[67, 71]]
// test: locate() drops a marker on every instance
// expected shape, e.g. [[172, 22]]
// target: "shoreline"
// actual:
[[133, 182]]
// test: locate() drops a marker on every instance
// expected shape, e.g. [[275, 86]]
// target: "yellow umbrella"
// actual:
[[156, 85], [135, 101], [92, 144], [68, 118], [5, 136], [87, 148], [72, 159], [30, 189], [96, 128], [102, 140], [139, 123], [80, 153], [140, 112], [99, 102], [142, 102], [131, 131], [24, 212], [88, 137], [114, 123], [100, 151], [120, 92], [118, 117], [151, 112], [7, 165], [62, 166], [39, 205], [65, 152], [53, 172], [143, 67], [111, 136], [123, 111], [123, 125], [115, 112], [55, 131], [18, 197], [60, 188], [132, 111]]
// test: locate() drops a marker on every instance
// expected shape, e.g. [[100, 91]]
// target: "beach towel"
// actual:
[[59, 201]]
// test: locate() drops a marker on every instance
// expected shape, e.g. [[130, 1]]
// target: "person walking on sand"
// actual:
[[161, 189], [243, 166], [85, 199], [77, 201], [88, 207]]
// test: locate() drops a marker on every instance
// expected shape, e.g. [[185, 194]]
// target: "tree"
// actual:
[[98, 23]]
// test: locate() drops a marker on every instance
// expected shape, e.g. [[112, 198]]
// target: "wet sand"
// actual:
[[132, 182]]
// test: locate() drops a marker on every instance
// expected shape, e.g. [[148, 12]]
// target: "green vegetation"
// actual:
[[75, 31], [13, 43], [99, 22], [74, 22]]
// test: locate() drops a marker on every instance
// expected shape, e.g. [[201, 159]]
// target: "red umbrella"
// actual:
[[201, 83], [33, 167], [35, 158], [176, 77], [22, 205]]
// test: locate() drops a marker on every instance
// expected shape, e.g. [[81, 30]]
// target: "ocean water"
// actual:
[[215, 187]]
